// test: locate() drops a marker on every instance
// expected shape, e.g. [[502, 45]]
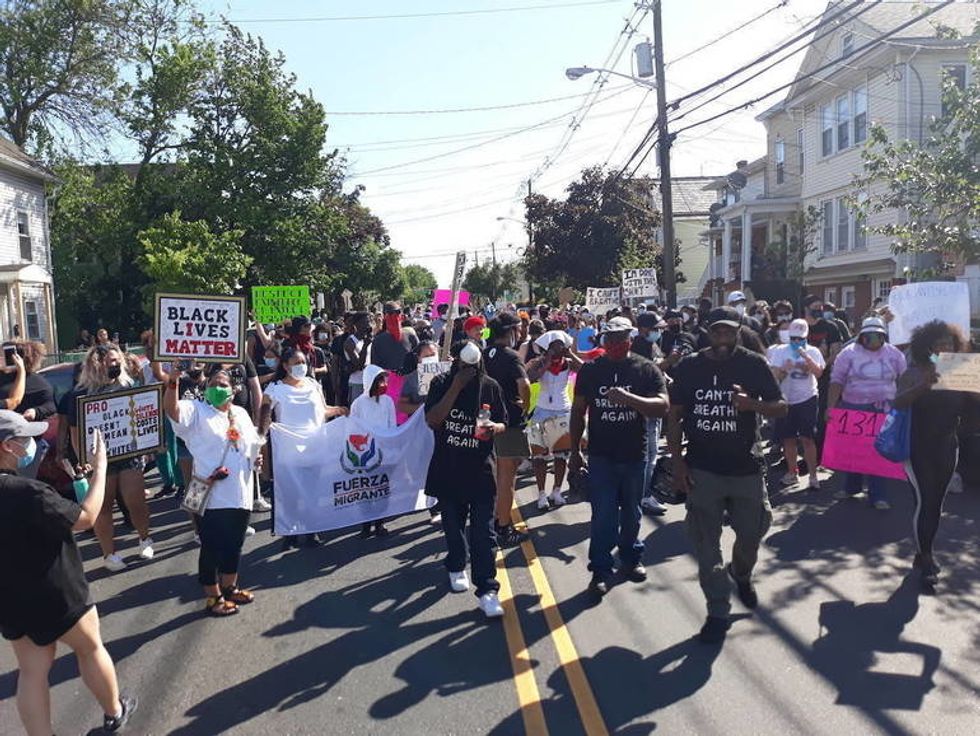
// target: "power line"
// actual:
[[727, 34]]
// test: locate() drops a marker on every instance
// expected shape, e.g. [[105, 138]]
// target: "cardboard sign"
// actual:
[[566, 296], [427, 371], [445, 296], [914, 305], [850, 444], [273, 304], [131, 422], [600, 301], [208, 329], [640, 283], [959, 372]]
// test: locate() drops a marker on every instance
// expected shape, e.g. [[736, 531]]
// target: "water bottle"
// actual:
[[80, 484], [483, 422]]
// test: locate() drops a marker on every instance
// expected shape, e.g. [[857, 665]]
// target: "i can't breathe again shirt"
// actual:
[[618, 432], [720, 439]]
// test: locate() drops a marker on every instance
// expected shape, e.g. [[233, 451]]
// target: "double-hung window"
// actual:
[[843, 225], [24, 235], [827, 217], [860, 115], [780, 161], [843, 116], [826, 130]]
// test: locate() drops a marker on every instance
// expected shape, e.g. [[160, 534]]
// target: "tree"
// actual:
[[935, 184], [419, 283], [490, 281]]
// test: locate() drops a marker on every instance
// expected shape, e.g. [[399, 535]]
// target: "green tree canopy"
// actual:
[[419, 283], [490, 281]]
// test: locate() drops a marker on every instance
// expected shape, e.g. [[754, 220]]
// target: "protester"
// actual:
[[715, 399], [797, 366], [44, 598], [103, 372], [619, 392], [548, 431], [394, 343], [167, 461], [439, 323], [528, 351], [375, 410], [357, 345], [778, 332], [102, 337], [301, 338], [864, 378], [646, 344], [226, 449], [933, 448], [460, 475]]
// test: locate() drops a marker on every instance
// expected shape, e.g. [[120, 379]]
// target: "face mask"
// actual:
[[934, 359], [828, 315], [298, 370], [872, 341], [271, 362], [797, 344], [218, 395], [470, 354], [784, 336], [323, 337], [740, 308], [816, 313], [653, 336], [114, 371], [685, 317], [29, 452], [784, 317]]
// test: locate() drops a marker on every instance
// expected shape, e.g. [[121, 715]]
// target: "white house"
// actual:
[[26, 285]]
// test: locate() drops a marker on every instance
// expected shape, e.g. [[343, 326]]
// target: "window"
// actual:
[[32, 320], [843, 108], [860, 225], [24, 235], [827, 212], [843, 226], [860, 115], [780, 161], [799, 148], [830, 295], [827, 130], [883, 289], [957, 74], [847, 297], [846, 44]]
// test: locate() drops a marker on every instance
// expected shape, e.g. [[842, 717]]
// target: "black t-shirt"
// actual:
[[617, 432], [505, 367], [240, 374], [45, 588], [390, 353], [645, 349], [38, 394], [460, 467], [668, 339], [720, 439], [823, 334]]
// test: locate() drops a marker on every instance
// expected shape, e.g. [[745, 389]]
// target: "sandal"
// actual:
[[238, 596], [218, 607]]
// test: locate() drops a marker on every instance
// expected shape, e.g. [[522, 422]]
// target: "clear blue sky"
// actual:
[[480, 60]]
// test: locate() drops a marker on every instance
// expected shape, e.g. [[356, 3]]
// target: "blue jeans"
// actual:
[[615, 490], [853, 481], [480, 515], [653, 438]]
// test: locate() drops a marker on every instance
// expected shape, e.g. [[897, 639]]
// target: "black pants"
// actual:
[[222, 536], [930, 469], [480, 515]]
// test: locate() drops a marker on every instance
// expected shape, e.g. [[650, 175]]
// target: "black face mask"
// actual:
[[674, 328], [816, 313], [114, 371], [195, 373]]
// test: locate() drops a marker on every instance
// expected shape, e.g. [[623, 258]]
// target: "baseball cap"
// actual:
[[724, 316], [874, 324], [473, 322], [13, 424], [618, 324], [799, 328], [736, 296], [649, 319]]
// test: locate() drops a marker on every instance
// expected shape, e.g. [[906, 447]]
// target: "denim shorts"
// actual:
[[801, 421]]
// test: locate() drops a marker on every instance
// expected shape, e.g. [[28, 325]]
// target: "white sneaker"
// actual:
[[882, 505], [249, 530], [955, 484], [543, 501], [459, 582], [790, 479], [260, 504], [649, 503], [146, 548], [490, 605], [556, 498], [435, 519], [113, 562], [814, 483]]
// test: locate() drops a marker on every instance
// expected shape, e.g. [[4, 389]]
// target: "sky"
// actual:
[[440, 180]]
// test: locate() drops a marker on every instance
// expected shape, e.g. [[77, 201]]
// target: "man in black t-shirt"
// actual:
[[619, 392], [646, 344], [715, 398], [824, 335]]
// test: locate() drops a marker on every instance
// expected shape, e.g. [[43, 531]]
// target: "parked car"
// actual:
[[60, 377]]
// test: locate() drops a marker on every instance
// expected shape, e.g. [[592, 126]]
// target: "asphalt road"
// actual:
[[363, 636]]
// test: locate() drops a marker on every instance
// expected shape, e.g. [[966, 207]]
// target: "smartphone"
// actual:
[[8, 354]]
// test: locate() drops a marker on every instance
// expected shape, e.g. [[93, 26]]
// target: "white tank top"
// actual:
[[554, 393]]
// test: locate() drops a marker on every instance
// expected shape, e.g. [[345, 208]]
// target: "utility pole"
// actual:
[[530, 244], [493, 251], [663, 152]]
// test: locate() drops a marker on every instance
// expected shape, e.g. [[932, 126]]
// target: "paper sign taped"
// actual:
[[601, 300], [273, 304], [914, 305], [959, 372], [131, 422], [209, 329], [640, 283], [850, 444], [427, 371]]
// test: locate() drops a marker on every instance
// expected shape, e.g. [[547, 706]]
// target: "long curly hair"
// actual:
[[927, 335]]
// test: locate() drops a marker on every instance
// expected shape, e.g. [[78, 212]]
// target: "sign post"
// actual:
[[207, 329], [458, 271]]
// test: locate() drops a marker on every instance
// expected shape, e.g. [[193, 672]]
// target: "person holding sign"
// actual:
[[863, 378], [936, 416]]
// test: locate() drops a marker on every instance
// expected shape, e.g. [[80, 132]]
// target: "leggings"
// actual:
[[222, 536], [930, 469]]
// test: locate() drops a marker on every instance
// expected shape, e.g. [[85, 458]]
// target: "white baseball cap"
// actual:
[[799, 328], [736, 296]]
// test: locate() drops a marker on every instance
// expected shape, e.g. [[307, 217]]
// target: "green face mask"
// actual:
[[218, 395]]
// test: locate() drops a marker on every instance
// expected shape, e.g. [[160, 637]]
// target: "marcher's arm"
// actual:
[[912, 384], [652, 407], [833, 395], [170, 406], [255, 391], [265, 416], [20, 384], [576, 428], [435, 416], [92, 504], [536, 369]]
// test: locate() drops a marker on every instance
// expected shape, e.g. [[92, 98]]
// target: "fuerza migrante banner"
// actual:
[[343, 473]]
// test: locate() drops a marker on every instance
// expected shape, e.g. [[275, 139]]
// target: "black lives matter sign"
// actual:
[[208, 329]]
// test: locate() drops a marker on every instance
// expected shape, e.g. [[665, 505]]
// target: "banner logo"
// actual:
[[361, 454]]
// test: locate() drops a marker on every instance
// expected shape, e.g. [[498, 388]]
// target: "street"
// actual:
[[364, 637]]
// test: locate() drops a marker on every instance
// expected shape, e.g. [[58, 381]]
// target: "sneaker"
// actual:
[[490, 605], [790, 479], [637, 573], [436, 519], [653, 506], [543, 504], [814, 484], [843, 494], [249, 530], [556, 498], [260, 504], [600, 583], [882, 505], [459, 582], [714, 630], [955, 484], [746, 591], [113, 562], [146, 548], [114, 724], [508, 536]]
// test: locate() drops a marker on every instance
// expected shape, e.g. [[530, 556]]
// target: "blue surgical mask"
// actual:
[[934, 358], [298, 370], [271, 362], [828, 314], [653, 336], [29, 452]]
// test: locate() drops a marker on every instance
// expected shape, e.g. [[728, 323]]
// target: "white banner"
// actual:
[[640, 283], [342, 473], [600, 301], [916, 304]]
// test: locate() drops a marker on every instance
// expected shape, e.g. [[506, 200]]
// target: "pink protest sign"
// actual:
[[445, 296], [850, 444], [395, 383]]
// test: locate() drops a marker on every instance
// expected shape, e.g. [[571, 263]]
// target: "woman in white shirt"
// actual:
[[376, 410], [226, 448], [295, 400]]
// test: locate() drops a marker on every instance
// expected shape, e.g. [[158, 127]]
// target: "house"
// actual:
[[815, 138], [26, 284]]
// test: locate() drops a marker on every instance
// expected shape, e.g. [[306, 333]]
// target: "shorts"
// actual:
[[801, 421], [512, 443], [547, 428], [46, 634], [130, 463]]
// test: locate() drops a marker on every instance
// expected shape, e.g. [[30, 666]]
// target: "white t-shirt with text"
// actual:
[[799, 385]]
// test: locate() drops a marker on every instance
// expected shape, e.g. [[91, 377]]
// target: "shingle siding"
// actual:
[[18, 194]]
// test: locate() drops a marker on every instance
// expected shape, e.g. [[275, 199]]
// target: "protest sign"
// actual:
[[208, 329], [445, 296], [273, 304], [600, 301], [850, 444], [640, 283], [916, 304], [131, 422], [959, 372], [427, 371]]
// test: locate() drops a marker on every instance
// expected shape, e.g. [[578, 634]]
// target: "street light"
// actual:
[[577, 72]]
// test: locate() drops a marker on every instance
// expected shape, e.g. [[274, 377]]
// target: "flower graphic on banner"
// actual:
[[361, 454]]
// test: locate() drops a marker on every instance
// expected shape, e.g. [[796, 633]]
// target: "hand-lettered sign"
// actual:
[[959, 372], [272, 304], [131, 422], [850, 444], [209, 329], [916, 304]]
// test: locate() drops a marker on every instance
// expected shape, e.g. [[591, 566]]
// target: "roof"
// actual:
[[714, 183], [13, 157], [688, 194], [962, 16]]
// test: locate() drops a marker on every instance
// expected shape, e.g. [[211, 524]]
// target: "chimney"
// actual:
[[742, 165]]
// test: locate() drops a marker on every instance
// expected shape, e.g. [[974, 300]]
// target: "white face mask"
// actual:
[[784, 337], [470, 354], [740, 308], [298, 370]]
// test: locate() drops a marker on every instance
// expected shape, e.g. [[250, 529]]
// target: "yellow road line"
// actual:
[[528, 694], [588, 709]]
